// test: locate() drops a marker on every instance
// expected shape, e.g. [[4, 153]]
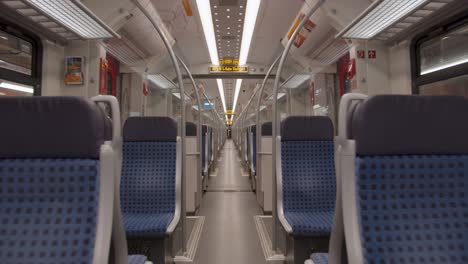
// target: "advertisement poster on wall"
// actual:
[[74, 70]]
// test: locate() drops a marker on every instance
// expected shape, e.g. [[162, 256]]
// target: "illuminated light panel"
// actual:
[[236, 94], [17, 87], [444, 66], [221, 93], [161, 81], [75, 16], [383, 15], [204, 11], [250, 20]]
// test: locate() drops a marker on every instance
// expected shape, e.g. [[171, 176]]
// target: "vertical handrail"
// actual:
[[277, 207], [182, 114]]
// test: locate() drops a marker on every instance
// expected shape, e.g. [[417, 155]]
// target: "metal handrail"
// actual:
[[277, 203]]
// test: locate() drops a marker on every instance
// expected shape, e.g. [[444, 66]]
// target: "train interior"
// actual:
[[233, 131]]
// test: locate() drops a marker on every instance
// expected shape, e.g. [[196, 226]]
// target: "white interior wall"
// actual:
[[53, 70], [400, 69]]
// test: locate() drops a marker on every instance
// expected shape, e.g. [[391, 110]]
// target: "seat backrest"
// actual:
[[253, 143], [148, 184], [190, 129], [204, 147], [267, 129], [307, 162], [54, 189], [407, 200]]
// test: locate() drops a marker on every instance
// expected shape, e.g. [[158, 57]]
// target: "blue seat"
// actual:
[[204, 150], [54, 185], [307, 177], [319, 258], [408, 197], [136, 259], [148, 185]]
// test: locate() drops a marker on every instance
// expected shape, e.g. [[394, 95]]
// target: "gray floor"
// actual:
[[229, 174], [229, 234]]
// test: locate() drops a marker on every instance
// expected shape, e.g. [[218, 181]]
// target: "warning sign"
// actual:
[[372, 54], [303, 33], [361, 54]]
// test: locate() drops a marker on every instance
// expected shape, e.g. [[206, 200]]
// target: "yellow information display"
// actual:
[[229, 112], [228, 69], [228, 61]]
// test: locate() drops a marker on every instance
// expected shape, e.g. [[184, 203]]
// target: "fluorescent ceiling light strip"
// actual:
[[236, 94], [444, 66], [17, 87], [68, 13], [204, 9], [381, 17], [250, 20], [221, 93]]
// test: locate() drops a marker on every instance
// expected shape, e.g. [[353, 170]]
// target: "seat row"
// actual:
[[390, 188], [73, 190]]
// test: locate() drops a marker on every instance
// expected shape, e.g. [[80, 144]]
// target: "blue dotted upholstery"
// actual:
[[309, 186], [136, 259], [413, 209], [254, 148], [204, 165], [148, 187], [319, 258], [48, 210]]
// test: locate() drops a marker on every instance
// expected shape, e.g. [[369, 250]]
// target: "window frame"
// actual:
[[35, 79], [417, 79]]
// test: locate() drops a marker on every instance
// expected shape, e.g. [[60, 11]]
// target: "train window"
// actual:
[[15, 53], [440, 60], [20, 60]]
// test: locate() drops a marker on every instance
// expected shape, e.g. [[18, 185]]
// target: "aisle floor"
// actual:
[[229, 233]]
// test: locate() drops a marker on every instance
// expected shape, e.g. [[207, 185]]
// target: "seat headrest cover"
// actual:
[[405, 125], [299, 128], [150, 129], [50, 127], [267, 129], [190, 129]]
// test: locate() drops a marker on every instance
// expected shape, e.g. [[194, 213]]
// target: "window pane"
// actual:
[[8, 88], [455, 86], [445, 51], [15, 53]]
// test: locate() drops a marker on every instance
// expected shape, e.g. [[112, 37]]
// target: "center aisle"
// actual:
[[229, 234]]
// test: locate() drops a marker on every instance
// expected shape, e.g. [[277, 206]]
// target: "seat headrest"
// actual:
[[354, 105], [267, 129], [253, 129], [298, 128], [190, 129], [405, 125], [150, 129], [51, 127]]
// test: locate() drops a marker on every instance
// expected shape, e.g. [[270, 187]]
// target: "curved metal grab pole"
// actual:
[[199, 123], [275, 122], [182, 116]]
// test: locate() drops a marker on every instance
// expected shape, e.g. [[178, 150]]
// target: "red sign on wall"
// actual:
[[361, 54], [372, 54], [103, 76]]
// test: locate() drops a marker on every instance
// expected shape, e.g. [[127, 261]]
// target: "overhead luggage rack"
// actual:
[[68, 19], [385, 19]]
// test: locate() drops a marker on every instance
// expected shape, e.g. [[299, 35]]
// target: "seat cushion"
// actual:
[[310, 223], [136, 259], [319, 258], [146, 225]]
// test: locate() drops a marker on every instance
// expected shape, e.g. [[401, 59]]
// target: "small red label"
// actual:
[[145, 89], [361, 54], [372, 54]]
